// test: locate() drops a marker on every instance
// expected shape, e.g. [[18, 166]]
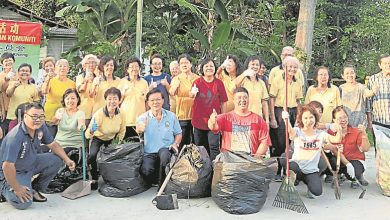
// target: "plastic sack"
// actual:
[[119, 167], [191, 177], [240, 183], [65, 177], [382, 137]]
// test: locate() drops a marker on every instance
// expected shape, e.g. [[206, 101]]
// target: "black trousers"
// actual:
[[96, 143], [153, 166], [357, 165], [209, 140], [130, 132], [187, 132], [278, 135]]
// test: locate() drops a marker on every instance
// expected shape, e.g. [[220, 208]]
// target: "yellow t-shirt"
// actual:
[[56, 89], [230, 85], [99, 101], [86, 102], [278, 91], [329, 99], [22, 94], [257, 93], [277, 74], [133, 104], [107, 127], [183, 101]]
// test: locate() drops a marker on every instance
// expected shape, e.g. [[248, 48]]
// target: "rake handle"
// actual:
[[286, 125]]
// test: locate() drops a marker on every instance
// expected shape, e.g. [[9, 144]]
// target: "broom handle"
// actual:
[[83, 155], [286, 124]]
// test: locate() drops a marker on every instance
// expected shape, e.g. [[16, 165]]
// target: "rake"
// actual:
[[287, 196]]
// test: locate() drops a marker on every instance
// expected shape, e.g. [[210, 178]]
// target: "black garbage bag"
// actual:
[[119, 167], [65, 177], [192, 174], [240, 183]]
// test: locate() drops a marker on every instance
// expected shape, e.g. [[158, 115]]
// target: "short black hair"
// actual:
[[31, 105], [252, 58], [70, 91], [157, 56], [184, 55], [130, 61], [382, 56], [204, 62], [237, 62], [113, 91], [6, 55], [240, 89], [104, 60], [24, 65], [21, 108], [153, 91], [315, 76]]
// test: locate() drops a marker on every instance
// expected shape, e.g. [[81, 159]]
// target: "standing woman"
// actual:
[[54, 88], [181, 87], [107, 80], [228, 72], [7, 61], [106, 124], [252, 81], [134, 90], [353, 97], [84, 85], [70, 120], [324, 92], [48, 66], [210, 96], [20, 91]]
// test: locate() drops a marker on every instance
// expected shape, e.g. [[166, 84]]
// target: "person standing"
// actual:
[[174, 70]]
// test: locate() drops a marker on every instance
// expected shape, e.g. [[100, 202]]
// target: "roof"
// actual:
[[63, 32]]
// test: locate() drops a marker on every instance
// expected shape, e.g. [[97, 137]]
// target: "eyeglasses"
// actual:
[[37, 117]]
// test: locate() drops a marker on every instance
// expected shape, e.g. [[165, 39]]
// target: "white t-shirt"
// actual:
[[307, 150]]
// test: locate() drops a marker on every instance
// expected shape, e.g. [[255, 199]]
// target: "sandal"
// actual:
[[38, 197]]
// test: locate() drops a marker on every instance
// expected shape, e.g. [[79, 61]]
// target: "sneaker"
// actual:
[[2, 199], [328, 179], [278, 178], [94, 185], [363, 181], [310, 195], [354, 184]]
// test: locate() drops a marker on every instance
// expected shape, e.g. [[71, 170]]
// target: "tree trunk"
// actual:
[[304, 37]]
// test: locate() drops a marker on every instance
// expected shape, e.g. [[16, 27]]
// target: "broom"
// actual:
[[287, 196]]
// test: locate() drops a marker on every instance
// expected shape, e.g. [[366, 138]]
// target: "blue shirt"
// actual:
[[160, 86], [159, 134], [19, 148]]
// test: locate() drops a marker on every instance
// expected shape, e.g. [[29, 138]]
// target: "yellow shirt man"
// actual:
[[183, 101], [276, 74], [278, 91], [22, 94], [330, 99], [257, 93]]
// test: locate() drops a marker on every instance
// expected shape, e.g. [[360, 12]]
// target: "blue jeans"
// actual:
[[46, 165]]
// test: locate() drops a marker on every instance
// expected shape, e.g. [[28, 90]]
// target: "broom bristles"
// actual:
[[288, 198]]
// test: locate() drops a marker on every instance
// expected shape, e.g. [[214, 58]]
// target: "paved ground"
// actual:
[[373, 205]]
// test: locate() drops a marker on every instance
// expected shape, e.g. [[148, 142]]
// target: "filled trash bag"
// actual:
[[240, 183], [65, 177], [119, 167], [382, 137], [191, 177]]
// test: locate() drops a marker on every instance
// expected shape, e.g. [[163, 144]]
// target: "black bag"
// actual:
[[240, 183], [65, 177], [192, 174], [119, 167]]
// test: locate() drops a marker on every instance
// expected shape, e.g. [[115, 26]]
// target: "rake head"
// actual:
[[288, 198]]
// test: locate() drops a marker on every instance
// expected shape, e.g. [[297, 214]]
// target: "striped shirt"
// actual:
[[379, 104]]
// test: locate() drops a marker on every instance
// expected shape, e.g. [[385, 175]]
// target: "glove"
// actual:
[[96, 81], [94, 126], [11, 75], [249, 73], [59, 113], [350, 170], [285, 115], [194, 90]]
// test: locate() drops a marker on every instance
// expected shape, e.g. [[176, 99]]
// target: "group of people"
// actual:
[[46, 117]]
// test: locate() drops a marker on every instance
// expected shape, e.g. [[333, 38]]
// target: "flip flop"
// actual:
[[41, 197]]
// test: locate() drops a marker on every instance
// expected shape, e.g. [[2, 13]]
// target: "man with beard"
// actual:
[[242, 130]]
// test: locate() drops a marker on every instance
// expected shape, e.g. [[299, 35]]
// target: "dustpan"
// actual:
[[82, 187]]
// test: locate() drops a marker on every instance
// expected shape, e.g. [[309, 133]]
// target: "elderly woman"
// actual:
[[210, 96], [324, 92], [107, 123], [107, 66], [355, 143], [84, 85], [252, 81], [228, 72], [70, 120], [134, 90], [54, 88], [20, 91], [48, 66]]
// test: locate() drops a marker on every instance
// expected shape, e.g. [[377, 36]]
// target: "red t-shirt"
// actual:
[[210, 96], [351, 143], [242, 133]]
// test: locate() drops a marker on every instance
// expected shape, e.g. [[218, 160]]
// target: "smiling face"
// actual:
[[385, 65], [24, 73], [209, 69], [8, 63], [133, 70], [112, 101], [49, 67], [254, 65], [323, 76], [349, 75], [71, 101], [185, 65], [341, 118], [231, 66], [34, 118], [155, 101], [62, 68], [108, 68], [90, 65], [156, 65], [241, 101], [308, 119]]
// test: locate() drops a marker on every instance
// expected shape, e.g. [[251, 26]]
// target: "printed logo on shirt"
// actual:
[[23, 150], [167, 124], [40, 135], [241, 138]]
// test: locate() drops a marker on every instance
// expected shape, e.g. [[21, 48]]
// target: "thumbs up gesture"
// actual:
[[249, 72], [213, 116], [225, 63], [153, 84], [194, 90], [164, 81], [94, 126], [96, 81], [59, 113], [142, 125]]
